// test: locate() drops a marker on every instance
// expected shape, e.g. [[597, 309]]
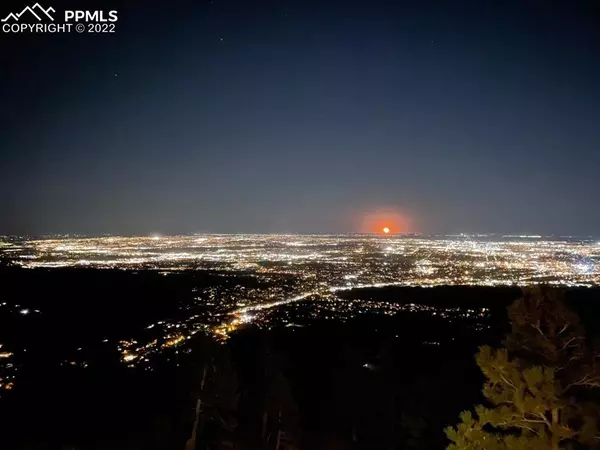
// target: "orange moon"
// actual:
[[381, 219]]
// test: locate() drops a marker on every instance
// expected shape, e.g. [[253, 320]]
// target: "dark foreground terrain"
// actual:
[[363, 381]]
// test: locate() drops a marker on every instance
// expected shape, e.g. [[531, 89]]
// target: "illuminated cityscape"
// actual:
[[331, 262], [269, 273]]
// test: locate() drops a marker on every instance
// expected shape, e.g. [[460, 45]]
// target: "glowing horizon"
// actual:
[[393, 219]]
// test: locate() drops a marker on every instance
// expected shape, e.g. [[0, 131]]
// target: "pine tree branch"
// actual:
[[563, 329], [517, 425], [569, 341], [587, 381], [539, 329], [509, 383], [545, 420], [535, 421]]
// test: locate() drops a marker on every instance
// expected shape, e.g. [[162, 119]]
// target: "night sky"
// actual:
[[305, 116]]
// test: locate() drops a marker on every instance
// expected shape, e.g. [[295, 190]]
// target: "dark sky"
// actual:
[[303, 116]]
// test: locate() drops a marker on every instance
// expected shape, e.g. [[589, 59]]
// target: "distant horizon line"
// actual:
[[408, 234]]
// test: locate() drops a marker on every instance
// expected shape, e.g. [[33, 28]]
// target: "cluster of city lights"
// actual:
[[8, 364], [289, 269], [7, 370]]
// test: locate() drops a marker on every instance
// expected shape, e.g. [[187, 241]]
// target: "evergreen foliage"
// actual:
[[540, 388]]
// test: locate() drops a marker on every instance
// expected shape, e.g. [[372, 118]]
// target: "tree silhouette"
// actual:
[[538, 387], [281, 420], [216, 405]]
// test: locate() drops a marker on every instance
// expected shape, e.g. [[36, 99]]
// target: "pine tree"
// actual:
[[281, 421], [538, 387], [216, 404]]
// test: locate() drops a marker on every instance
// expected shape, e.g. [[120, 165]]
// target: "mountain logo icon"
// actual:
[[36, 10]]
